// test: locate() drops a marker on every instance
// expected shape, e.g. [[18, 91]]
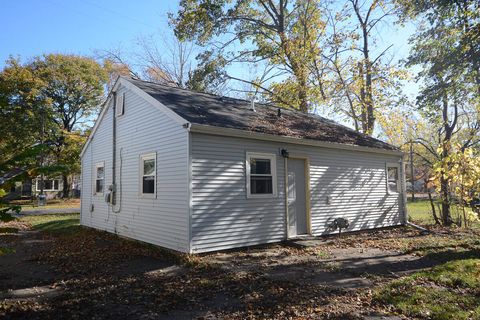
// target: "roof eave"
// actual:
[[221, 131]]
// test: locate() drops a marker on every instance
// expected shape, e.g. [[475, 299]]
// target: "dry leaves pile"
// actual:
[[103, 276]]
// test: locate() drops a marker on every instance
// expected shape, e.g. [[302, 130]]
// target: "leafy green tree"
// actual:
[[283, 34], [366, 84], [44, 104], [461, 168], [21, 113], [74, 88], [447, 47], [16, 112]]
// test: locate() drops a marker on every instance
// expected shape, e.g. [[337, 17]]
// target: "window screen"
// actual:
[[100, 178], [148, 174], [392, 179]]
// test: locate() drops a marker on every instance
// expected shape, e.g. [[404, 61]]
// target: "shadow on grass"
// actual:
[[8, 230], [60, 227]]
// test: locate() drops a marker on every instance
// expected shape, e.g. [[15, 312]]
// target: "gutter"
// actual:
[[237, 133]]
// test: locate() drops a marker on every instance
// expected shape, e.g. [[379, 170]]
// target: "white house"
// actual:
[[196, 172]]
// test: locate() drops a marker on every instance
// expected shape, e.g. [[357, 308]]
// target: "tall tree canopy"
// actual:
[[73, 85], [315, 54], [366, 80], [284, 34], [21, 115], [447, 47], [45, 102]]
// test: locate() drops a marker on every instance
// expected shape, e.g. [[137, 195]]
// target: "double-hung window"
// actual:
[[148, 175], [261, 175], [393, 178], [99, 177], [48, 184]]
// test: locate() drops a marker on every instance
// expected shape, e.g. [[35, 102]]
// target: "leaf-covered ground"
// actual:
[[57, 269]]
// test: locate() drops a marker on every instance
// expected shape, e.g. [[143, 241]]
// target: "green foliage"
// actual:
[[7, 211], [281, 34], [55, 224], [446, 46], [460, 168], [43, 104], [209, 74], [20, 114], [4, 251], [73, 85]]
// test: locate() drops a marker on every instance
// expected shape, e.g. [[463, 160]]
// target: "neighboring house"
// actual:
[[197, 172], [15, 189], [52, 187], [28, 187]]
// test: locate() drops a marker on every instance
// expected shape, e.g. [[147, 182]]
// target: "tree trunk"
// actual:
[[444, 183], [445, 196], [432, 205], [302, 96], [66, 187]]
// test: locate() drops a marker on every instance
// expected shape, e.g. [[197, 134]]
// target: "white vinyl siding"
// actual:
[[348, 184], [143, 129]]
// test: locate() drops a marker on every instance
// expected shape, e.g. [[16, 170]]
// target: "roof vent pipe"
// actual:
[[252, 106], [279, 113]]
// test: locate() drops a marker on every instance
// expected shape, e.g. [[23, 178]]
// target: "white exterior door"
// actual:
[[296, 198]]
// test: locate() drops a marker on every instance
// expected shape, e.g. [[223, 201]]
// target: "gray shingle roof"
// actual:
[[212, 110]]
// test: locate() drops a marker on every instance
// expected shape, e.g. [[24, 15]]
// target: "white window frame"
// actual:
[[273, 167], [120, 104], [53, 184], [397, 166], [143, 157], [98, 165]]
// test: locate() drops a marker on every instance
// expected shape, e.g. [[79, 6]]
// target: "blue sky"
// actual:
[[36, 27], [33, 27], [81, 26]]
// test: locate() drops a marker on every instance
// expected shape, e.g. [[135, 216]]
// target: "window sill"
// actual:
[[147, 196], [261, 196]]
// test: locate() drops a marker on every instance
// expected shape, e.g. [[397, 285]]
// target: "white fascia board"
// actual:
[[220, 131], [127, 84]]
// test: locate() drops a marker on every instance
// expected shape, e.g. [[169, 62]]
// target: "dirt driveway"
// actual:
[[90, 274]]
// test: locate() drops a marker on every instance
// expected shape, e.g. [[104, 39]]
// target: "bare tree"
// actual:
[[168, 61]]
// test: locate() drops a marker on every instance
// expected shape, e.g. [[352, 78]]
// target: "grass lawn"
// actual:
[[447, 291], [420, 211], [55, 203], [54, 224]]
